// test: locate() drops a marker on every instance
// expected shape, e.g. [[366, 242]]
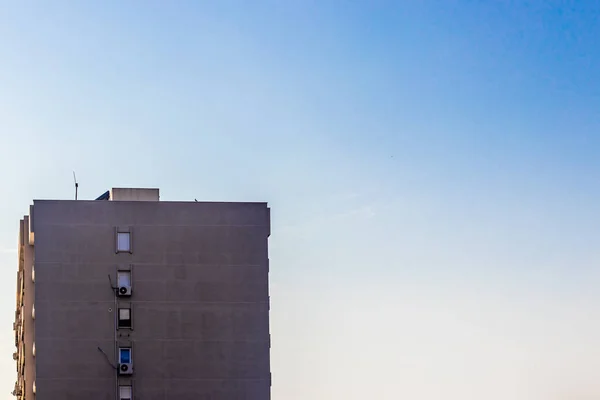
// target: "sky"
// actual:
[[431, 166]]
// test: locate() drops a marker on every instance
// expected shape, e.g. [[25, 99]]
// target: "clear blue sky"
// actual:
[[432, 167]]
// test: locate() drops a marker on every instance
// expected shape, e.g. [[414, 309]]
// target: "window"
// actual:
[[124, 318], [123, 242], [124, 278], [125, 392], [125, 355]]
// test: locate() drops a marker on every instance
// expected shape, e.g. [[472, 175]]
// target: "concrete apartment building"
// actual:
[[128, 297]]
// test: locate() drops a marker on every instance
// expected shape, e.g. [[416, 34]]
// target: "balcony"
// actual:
[[18, 391]]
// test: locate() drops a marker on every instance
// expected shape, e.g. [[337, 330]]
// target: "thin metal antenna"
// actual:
[[76, 184]]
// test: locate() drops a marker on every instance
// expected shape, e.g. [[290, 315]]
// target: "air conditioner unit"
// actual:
[[15, 356], [124, 291], [125, 369]]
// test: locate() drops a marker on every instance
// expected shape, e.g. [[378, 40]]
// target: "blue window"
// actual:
[[124, 355]]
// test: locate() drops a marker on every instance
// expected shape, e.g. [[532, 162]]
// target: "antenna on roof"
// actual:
[[76, 184]]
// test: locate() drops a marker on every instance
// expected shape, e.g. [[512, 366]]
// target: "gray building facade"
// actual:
[[128, 297]]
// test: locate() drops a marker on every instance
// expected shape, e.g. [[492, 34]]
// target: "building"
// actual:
[[129, 297]]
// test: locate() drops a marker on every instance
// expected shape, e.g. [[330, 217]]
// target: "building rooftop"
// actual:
[[130, 194]]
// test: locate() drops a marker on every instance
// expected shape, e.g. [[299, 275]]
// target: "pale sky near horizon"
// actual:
[[432, 169]]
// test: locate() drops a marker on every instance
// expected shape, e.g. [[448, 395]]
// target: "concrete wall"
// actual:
[[28, 304], [129, 194], [200, 302]]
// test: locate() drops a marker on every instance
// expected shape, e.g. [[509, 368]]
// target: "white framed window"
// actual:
[[33, 273], [33, 312], [123, 278], [33, 349], [124, 318], [123, 242], [125, 392]]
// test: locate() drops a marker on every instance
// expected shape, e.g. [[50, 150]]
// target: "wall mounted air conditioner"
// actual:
[[125, 369], [124, 291]]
